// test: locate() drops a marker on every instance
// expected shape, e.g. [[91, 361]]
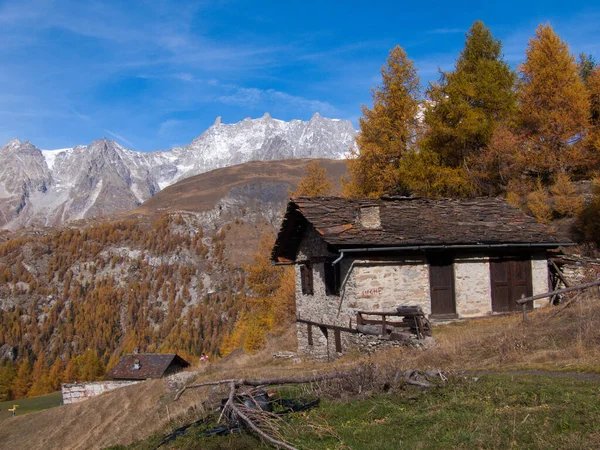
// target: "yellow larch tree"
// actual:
[[314, 184], [387, 130], [554, 107]]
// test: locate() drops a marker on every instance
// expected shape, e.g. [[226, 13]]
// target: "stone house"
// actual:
[[145, 366], [131, 369], [453, 258]]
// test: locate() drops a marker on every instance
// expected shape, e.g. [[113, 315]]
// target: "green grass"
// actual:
[[497, 411], [28, 405]]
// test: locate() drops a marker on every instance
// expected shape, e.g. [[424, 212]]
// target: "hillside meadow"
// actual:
[[510, 383]]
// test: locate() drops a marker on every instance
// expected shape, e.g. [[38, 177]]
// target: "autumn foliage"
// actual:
[[484, 129], [270, 305], [84, 297], [315, 183]]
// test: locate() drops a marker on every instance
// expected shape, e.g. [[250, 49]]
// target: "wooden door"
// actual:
[[441, 285], [511, 280]]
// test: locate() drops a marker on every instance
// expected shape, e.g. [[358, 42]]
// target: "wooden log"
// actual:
[[579, 287], [326, 326], [560, 274]]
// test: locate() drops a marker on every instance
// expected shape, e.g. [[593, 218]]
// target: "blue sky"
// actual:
[[154, 74]]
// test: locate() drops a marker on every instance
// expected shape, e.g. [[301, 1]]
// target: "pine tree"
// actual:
[[56, 374], [554, 107], [262, 277], [387, 130], [71, 373], [40, 384], [466, 105], [22, 382], [314, 184], [7, 376]]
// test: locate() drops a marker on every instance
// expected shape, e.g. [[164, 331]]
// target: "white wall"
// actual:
[[472, 286]]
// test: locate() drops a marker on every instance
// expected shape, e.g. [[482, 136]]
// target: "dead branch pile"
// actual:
[[242, 406]]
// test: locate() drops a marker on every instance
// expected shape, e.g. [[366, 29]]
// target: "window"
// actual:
[[306, 275], [310, 337], [332, 279]]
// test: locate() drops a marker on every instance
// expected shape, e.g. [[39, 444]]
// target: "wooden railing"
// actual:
[[524, 300], [386, 326]]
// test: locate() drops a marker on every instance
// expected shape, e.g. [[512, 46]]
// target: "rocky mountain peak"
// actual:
[[48, 187]]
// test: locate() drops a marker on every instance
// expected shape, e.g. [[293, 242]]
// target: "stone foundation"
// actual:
[[78, 392]]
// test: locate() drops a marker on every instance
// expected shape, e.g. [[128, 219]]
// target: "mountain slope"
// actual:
[[49, 187], [169, 276]]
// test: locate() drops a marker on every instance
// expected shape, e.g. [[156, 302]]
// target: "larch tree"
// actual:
[[466, 105], [593, 137], [314, 184], [554, 107], [40, 380], [387, 130], [22, 382]]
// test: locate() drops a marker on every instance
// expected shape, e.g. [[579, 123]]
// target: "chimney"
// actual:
[[137, 364], [136, 350], [368, 216]]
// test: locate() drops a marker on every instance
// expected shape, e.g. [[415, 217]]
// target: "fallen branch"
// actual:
[[241, 416], [265, 382]]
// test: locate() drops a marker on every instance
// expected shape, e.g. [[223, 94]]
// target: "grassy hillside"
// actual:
[[498, 410], [29, 405]]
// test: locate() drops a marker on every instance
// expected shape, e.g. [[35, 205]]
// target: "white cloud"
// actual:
[[121, 138], [168, 126], [272, 98]]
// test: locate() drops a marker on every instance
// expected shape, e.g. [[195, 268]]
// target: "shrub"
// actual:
[[566, 201], [538, 203]]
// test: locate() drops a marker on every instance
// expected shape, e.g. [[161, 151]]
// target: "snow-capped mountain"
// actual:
[[48, 187]]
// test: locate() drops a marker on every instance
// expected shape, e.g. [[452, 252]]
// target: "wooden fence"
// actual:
[[523, 301]]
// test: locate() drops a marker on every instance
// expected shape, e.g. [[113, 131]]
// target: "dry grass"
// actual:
[[563, 338], [554, 338]]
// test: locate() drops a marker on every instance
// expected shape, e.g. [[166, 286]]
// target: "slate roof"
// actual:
[[152, 365], [409, 222]]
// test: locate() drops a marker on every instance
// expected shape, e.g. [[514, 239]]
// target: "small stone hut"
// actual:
[[144, 366], [454, 258]]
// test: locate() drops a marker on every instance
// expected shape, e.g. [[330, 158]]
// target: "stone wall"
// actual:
[[540, 278], [472, 286], [78, 392], [382, 285]]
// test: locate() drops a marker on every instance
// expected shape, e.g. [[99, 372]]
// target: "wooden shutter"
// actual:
[[441, 284], [306, 276]]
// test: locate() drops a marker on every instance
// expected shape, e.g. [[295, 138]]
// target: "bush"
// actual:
[[538, 203], [565, 199]]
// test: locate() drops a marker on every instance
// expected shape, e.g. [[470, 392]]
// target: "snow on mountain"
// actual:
[[48, 187]]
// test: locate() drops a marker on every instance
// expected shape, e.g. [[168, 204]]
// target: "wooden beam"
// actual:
[[579, 287], [560, 274], [331, 327]]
